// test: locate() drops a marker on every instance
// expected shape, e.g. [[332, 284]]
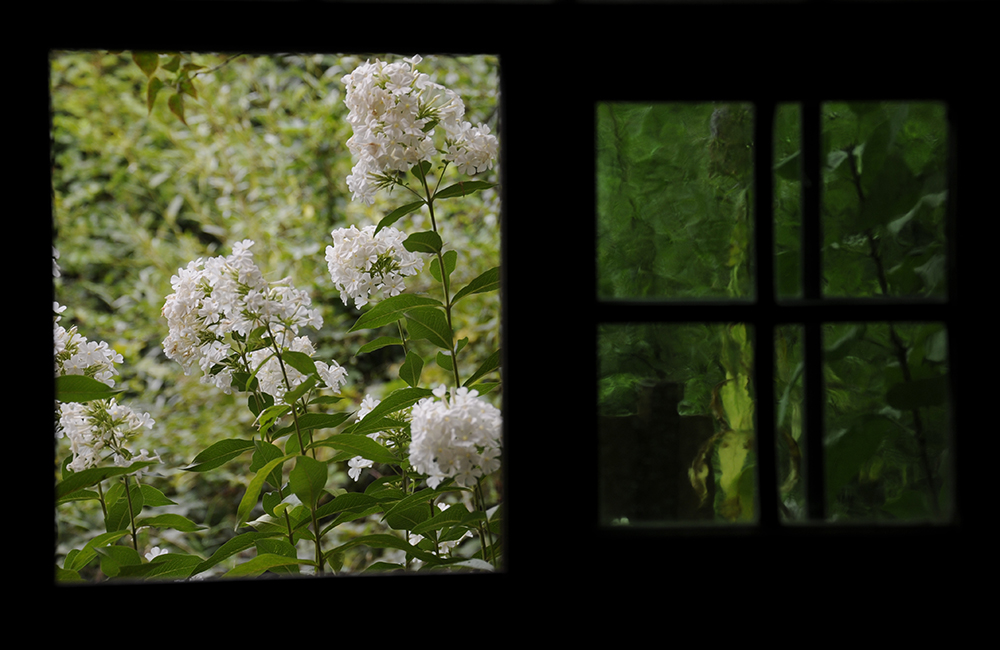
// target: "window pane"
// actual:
[[887, 434], [787, 201], [676, 424], [674, 204], [883, 202], [789, 441]]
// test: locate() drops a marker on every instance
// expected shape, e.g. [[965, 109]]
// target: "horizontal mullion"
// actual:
[[804, 311]]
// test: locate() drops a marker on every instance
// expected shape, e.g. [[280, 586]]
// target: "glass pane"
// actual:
[[787, 201], [676, 424], [887, 434], [788, 382], [674, 204], [883, 202]]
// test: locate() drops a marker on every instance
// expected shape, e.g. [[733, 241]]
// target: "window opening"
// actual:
[[848, 385]]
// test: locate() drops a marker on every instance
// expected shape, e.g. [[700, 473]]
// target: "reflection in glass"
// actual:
[[886, 440], [789, 369], [787, 201], [674, 204], [883, 200], [676, 424]]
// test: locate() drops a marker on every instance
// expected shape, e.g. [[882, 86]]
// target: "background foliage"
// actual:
[[260, 154], [674, 222]]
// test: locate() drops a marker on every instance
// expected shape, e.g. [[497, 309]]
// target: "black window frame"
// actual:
[[759, 48]]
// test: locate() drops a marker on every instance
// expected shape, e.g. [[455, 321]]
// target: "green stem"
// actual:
[[131, 514], [444, 278]]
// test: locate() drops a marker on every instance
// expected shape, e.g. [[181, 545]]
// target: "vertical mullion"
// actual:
[[812, 291], [764, 324]]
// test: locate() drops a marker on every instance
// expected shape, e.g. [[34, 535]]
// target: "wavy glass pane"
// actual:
[[789, 370], [887, 442], [674, 200], [787, 201], [676, 424], [883, 199]]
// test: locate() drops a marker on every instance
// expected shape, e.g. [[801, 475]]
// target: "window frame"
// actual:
[[765, 310]]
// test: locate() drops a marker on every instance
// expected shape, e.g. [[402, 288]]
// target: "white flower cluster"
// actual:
[[359, 463], [458, 436], [224, 295], [394, 110], [362, 263], [272, 380], [75, 355], [101, 427]]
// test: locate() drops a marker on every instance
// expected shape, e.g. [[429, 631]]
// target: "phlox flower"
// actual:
[[362, 263], [228, 295], [75, 355], [456, 435], [99, 431], [359, 463], [394, 111]]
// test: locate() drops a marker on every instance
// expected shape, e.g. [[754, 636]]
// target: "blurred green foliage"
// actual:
[[674, 222], [260, 154]]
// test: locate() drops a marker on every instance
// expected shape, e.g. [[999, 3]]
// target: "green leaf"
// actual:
[[152, 90], [120, 513], [359, 445], [445, 361], [148, 62], [307, 385], [488, 281], [78, 388], [93, 476], [450, 258], [263, 454], [429, 323], [353, 501], [391, 310], [384, 541], [249, 500], [153, 497], [462, 188], [177, 522], [379, 343], [398, 400], [113, 558], [398, 214], [237, 544], [176, 106], [268, 416], [300, 361], [87, 553], [411, 368], [261, 564], [449, 517], [491, 364], [307, 480], [310, 421], [423, 242], [219, 454]]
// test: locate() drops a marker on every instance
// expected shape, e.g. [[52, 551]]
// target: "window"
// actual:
[[785, 300]]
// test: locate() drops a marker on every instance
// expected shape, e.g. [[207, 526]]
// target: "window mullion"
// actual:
[[812, 291], [764, 323]]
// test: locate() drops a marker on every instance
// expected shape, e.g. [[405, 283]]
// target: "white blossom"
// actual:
[[99, 431], [455, 436], [394, 111], [362, 263], [216, 297]]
